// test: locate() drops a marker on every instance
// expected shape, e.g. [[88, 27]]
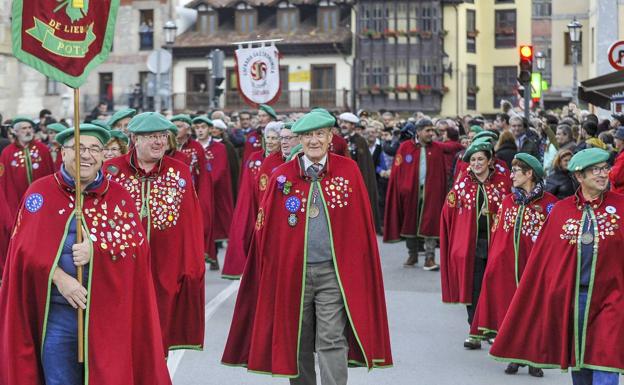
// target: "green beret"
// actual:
[[121, 114], [116, 134], [588, 157], [479, 145], [476, 129], [57, 127], [19, 119], [147, 122], [182, 118], [313, 120], [532, 162], [294, 151], [269, 110], [102, 124], [288, 125], [202, 119], [487, 134], [86, 129]]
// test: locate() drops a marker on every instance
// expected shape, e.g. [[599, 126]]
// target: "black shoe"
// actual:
[[512, 368], [536, 372], [214, 265], [472, 344]]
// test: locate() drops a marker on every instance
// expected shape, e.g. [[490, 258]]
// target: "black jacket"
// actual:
[[506, 152], [560, 183]]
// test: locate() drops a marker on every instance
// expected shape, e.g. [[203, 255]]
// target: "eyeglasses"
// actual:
[[155, 137], [112, 149], [599, 170], [95, 150], [285, 138], [515, 170]]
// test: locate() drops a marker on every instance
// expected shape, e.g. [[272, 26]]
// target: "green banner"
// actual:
[[62, 47], [536, 85]]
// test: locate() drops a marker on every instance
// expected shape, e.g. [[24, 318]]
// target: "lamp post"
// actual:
[[540, 61], [574, 29], [171, 30]]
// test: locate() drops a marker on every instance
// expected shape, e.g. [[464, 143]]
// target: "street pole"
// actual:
[[574, 74], [527, 100], [170, 102]]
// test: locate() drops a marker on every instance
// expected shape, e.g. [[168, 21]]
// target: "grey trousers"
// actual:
[[323, 325], [412, 246]]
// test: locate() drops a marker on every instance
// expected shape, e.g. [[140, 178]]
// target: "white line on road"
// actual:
[[175, 357]]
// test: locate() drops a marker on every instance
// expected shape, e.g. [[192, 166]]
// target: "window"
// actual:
[[568, 49], [146, 29], [505, 84], [471, 87], [505, 28], [52, 87], [106, 88], [288, 19], [323, 84], [328, 19], [207, 21], [375, 17], [504, 2], [542, 8], [471, 31], [429, 17], [246, 18]]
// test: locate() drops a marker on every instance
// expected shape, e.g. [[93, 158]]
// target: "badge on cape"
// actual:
[[260, 219], [409, 158], [609, 209], [293, 204], [264, 180], [1, 169], [182, 182], [34, 202], [549, 207], [398, 159], [292, 220], [451, 199], [252, 139], [113, 170]]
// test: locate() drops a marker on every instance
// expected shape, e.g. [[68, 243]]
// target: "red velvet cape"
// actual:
[[19, 172], [541, 325], [507, 259], [58, 161], [5, 227], [253, 143], [265, 330], [123, 344], [268, 167], [339, 145], [458, 232], [616, 175], [216, 156], [401, 218], [243, 220], [202, 180], [172, 217]]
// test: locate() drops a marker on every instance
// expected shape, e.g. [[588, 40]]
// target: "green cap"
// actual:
[[19, 119], [116, 134], [288, 125], [588, 157], [102, 124], [269, 110], [147, 122], [202, 119], [182, 118], [476, 129], [532, 162], [121, 114], [476, 146], [294, 151], [313, 120], [57, 127], [490, 135], [86, 129]]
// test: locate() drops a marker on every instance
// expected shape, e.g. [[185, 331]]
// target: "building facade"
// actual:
[[316, 49]]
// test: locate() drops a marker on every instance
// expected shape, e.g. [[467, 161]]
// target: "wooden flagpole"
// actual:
[[78, 215]]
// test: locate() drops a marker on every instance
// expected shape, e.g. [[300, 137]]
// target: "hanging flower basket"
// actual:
[[425, 34]]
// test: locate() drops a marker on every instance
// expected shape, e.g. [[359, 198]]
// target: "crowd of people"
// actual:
[[525, 214]]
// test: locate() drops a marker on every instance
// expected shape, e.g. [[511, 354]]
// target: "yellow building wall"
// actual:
[[486, 56]]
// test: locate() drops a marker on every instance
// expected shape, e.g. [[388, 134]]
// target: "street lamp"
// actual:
[[574, 29], [540, 62], [171, 30]]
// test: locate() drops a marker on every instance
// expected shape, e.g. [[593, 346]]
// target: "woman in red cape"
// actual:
[[265, 330], [465, 224], [241, 230], [514, 232], [122, 334], [545, 326]]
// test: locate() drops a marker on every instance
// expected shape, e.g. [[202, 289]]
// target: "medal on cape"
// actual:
[[313, 211], [292, 220], [587, 238], [292, 205]]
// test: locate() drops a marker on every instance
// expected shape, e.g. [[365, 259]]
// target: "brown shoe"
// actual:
[[430, 265], [214, 265], [411, 261]]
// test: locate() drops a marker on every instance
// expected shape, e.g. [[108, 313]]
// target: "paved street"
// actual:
[[427, 338]]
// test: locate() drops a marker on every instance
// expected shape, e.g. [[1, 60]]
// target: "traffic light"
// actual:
[[526, 64], [218, 75]]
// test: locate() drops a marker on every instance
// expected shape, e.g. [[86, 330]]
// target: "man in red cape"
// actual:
[[23, 162], [294, 267], [567, 312], [414, 201], [465, 224], [616, 175], [162, 189], [514, 232], [122, 334]]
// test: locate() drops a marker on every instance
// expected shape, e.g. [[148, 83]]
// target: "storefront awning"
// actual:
[[599, 90]]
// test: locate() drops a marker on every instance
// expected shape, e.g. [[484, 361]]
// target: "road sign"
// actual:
[[160, 55], [616, 55]]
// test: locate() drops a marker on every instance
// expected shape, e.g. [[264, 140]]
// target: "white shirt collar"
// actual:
[[307, 162]]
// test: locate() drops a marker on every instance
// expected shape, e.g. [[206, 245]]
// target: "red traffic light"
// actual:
[[526, 52]]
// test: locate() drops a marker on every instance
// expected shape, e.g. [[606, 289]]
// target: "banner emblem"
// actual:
[[258, 74]]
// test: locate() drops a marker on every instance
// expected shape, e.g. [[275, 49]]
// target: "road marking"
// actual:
[[175, 357]]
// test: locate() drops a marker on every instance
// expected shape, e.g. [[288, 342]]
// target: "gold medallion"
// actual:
[[313, 211], [587, 238]]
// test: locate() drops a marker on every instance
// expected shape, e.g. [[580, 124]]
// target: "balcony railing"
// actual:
[[290, 100]]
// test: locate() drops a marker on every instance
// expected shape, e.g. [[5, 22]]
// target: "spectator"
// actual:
[[616, 175], [506, 149], [526, 140], [560, 182]]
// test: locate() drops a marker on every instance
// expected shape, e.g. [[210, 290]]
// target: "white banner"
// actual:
[[258, 74]]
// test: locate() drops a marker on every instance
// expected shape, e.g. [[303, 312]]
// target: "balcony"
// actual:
[[289, 101]]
